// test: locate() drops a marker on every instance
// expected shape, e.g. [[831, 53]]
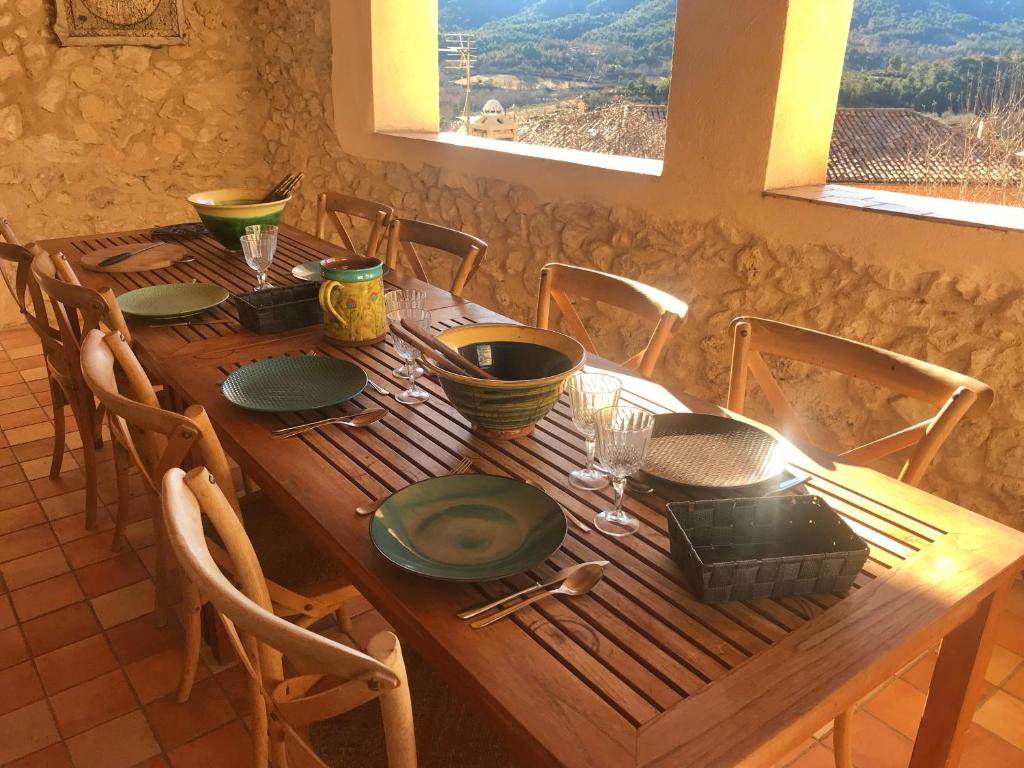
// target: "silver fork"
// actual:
[[461, 468]]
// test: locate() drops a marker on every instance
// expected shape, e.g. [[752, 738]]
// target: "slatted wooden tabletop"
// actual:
[[637, 672]]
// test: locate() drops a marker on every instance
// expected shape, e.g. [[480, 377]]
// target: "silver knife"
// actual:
[[562, 575]]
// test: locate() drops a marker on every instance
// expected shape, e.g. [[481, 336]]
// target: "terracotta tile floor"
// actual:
[[85, 676]]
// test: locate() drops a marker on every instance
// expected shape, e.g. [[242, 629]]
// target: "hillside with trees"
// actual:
[[930, 55]]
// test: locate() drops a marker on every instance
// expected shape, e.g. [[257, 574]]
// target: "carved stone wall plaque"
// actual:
[[120, 22]]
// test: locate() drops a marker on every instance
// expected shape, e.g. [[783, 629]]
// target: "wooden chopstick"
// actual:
[[438, 358], [453, 357]]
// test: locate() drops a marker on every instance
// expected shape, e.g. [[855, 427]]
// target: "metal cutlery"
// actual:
[[785, 485], [376, 387], [461, 468], [579, 583], [364, 419], [562, 575], [570, 516], [117, 258], [191, 323]]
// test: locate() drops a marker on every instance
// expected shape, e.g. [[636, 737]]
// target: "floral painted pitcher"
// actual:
[[352, 298]]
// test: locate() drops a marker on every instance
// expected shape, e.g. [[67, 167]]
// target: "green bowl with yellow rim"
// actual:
[[227, 212], [532, 366]]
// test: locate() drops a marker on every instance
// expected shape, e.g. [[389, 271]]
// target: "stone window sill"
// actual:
[[634, 165], [999, 217]]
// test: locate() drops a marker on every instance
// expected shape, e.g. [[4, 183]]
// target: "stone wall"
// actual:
[[100, 138], [720, 270]]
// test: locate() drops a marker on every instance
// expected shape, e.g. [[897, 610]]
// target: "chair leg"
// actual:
[[842, 739], [98, 413], [59, 428], [271, 735], [86, 428], [192, 607], [122, 463], [396, 704], [162, 580], [344, 620]]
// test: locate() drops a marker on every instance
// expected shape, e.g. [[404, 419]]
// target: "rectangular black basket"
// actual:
[[280, 309], [744, 549]]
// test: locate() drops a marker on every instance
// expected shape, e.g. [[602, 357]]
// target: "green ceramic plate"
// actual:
[[310, 270], [174, 300], [300, 383], [468, 527]]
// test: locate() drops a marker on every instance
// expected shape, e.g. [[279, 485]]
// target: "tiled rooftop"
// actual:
[[86, 678], [901, 146]]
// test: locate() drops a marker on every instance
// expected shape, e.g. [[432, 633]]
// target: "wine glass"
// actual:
[[588, 394], [410, 354], [623, 434], [259, 248], [409, 298]]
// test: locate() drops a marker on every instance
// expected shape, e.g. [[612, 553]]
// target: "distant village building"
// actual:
[[493, 123]]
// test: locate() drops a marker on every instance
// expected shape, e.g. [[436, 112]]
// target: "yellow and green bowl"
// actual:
[[227, 212], [532, 364]]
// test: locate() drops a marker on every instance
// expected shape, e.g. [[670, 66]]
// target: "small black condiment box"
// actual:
[[744, 549], [280, 309]]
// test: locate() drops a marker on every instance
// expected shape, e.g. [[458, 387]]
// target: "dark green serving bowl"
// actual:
[[468, 527], [227, 212], [532, 364]]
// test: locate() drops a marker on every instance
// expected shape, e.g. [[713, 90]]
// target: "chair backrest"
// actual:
[[955, 395], [157, 439], [260, 638], [331, 206], [407, 234], [559, 282], [20, 284], [7, 234]]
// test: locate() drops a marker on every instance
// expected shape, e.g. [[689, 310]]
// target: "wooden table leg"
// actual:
[[956, 684]]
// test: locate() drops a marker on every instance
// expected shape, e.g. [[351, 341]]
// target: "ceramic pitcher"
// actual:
[[352, 298]]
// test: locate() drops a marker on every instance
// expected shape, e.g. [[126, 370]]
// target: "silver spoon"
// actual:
[[579, 583], [364, 419], [562, 575]]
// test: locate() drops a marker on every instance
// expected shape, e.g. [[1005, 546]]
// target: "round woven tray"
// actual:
[[704, 451]]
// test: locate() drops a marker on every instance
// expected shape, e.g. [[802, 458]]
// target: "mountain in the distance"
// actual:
[[636, 35]]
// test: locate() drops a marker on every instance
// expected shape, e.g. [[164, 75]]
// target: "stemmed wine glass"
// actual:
[[588, 394], [410, 354], [259, 244], [409, 298], [623, 434]]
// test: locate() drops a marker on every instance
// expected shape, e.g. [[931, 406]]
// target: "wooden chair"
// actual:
[[76, 310], [560, 281], [331, 206], [407, 234], [335, 678], [955, 395], [7, 234], [155, 440]]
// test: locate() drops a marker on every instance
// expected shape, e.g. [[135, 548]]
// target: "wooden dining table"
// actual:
[[638, 672]]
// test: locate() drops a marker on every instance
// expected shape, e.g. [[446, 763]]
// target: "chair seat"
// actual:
[[449, 732]]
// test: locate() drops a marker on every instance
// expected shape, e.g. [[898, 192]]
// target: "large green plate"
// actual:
[[310, 271], [299, 383], [172, 300], [468, 527]]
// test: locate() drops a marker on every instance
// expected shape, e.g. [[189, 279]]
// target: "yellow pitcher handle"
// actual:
[[325, 300]]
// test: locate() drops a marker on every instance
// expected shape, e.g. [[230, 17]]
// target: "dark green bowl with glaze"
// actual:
[[532, 365], [468, 527], [227, 212]]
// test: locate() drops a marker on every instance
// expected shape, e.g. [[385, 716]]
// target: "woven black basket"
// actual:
[[744, 549], [279, 309]]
